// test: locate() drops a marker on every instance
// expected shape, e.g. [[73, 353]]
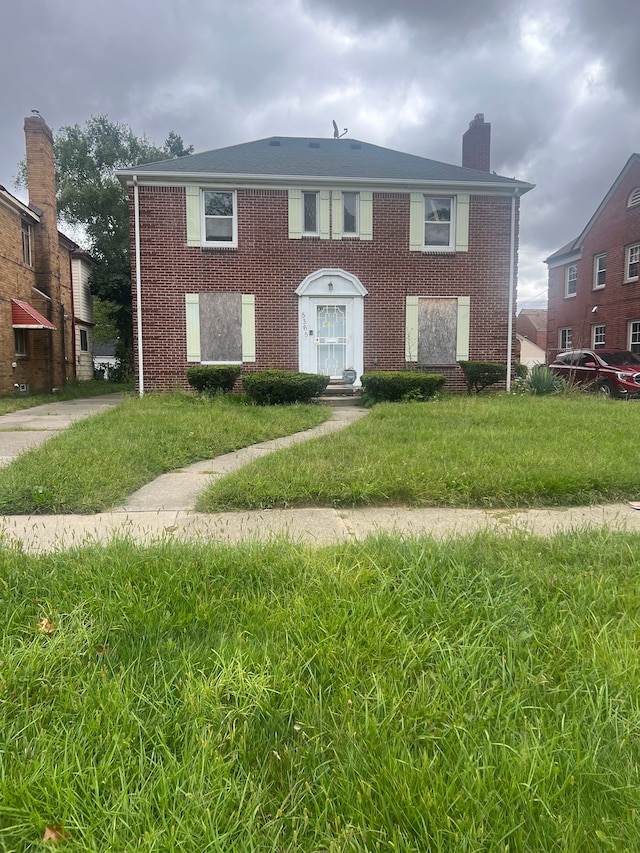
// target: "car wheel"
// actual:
[[605, 389]]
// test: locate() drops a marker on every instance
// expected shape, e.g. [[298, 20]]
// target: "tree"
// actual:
[[90, 196]]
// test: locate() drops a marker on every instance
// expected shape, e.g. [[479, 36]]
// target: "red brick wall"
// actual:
[[616, 227], [271, 266]]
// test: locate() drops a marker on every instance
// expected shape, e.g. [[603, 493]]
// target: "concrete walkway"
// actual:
[[163, 509]]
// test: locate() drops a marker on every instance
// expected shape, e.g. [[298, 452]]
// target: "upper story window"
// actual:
[[219, 220], [631, 260], [26, 243], [571, 280], [310, 213], [599, 271], [351, 214], [439, 222]]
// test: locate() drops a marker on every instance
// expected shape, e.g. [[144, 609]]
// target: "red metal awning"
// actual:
[[25, 316]]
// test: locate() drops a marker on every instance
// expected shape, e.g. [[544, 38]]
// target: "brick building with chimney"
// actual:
[[321, 255], [36, 300]]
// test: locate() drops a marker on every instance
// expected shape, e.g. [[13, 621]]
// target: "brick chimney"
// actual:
[[476, 144], [49, 278]]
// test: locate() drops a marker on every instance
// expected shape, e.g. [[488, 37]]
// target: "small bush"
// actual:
[[481, 374], [276, 387], [212, 378], [521, 370], [541, 380], [393, 386]]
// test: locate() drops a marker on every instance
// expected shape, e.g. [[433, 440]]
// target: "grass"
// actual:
[[71, 391], [392, 695], [97, 462], [494, 451]]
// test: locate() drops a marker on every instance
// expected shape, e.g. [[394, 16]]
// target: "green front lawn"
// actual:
[[97, 462], [485, 451], [394, 696]]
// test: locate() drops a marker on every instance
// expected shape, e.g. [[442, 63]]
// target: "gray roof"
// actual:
[[295, 157]]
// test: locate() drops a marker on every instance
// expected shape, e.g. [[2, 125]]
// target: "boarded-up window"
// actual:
[[437, 331], [221, 327]]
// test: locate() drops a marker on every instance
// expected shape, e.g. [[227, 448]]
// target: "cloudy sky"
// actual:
[[559, 80]]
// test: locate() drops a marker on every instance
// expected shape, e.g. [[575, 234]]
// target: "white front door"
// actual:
[[333, 337], [331, 313]]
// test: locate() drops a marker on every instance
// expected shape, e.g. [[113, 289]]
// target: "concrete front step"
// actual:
[[337, 394]]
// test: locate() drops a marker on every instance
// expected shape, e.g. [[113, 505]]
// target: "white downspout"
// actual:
[[512, 281], [136, 219]]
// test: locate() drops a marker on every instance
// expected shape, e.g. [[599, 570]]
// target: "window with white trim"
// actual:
[[20, 337], [84, 340], [439, 222], [634, 336], [571, 280], [219, 218], [26, 243], [599, 271], [631, 261], [350, 214], [597, 336], [564, 338], [634, 198], [310, 213]]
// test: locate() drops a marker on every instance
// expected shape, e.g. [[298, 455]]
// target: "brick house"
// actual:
[[322, 254], [594, 295], [531, 334], [36, 300]]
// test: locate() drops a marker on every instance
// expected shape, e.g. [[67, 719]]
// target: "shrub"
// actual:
[[521, 370], [482, 374], [392, 386], [210, 379], [275, 387], [541, 380]]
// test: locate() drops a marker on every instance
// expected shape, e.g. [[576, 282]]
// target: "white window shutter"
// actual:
[[194, 233], [295, 214], [366, 215], [411, 331], [462, 336], [248, 327], [416, 222], [324, 214], [192, 307], [336, 214], [462, 222]]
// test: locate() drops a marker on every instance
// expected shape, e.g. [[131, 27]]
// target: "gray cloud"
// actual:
[[558, 81]]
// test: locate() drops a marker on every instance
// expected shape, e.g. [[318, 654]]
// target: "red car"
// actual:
[[612, 372]]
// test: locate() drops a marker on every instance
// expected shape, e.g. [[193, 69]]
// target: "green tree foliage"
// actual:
[[91, 197]]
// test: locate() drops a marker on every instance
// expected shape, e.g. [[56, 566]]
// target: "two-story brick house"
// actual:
[[594, 295], [320, 255], [36, 302]]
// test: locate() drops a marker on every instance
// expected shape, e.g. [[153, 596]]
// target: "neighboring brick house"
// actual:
[[36, 302], [594, 283], [322, 254], [531, 332]]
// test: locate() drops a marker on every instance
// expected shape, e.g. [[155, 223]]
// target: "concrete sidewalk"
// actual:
[[163, 509], [27, 428]]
